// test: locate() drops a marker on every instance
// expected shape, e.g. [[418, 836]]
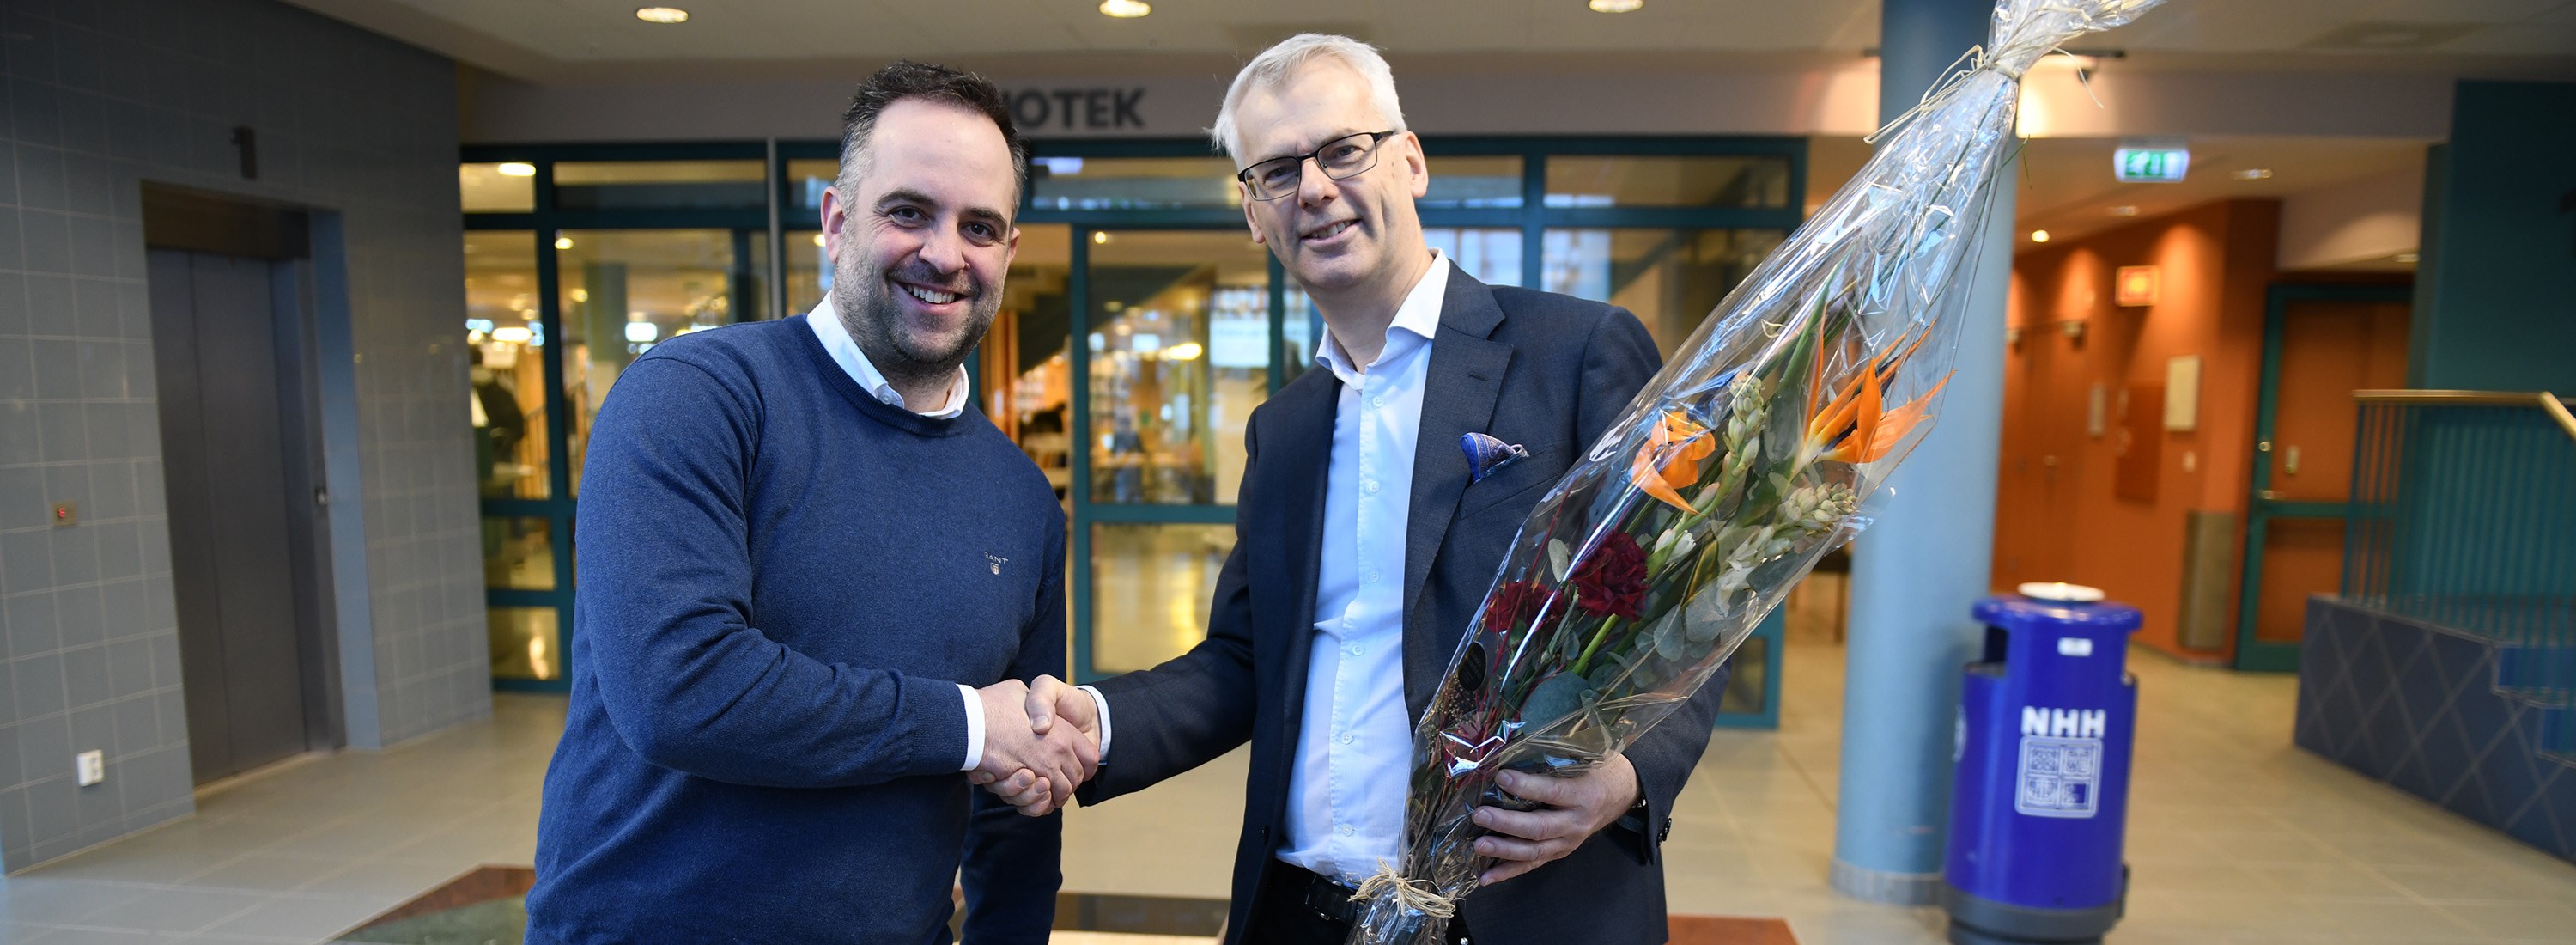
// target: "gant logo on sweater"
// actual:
[[997, 561]]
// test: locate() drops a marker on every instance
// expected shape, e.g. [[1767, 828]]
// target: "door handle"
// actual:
[[2267, 495]]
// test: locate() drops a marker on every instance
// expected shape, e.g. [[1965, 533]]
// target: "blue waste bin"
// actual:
[[2046, 720]]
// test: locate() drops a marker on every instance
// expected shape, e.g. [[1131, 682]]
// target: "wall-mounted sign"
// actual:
[[1043, 110], [2134, 286], [2151, 165]]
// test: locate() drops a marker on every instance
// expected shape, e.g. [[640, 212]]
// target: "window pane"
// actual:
[[1179, 357], [1077, 183], [524, 643], [809, 272], [505, 354], [1149, 591], [659, 185], [624, 291], [518, 553], [1574, 181], [1027, 358], [504, 187], [1473, 182], [807, 179], [1748, 678], [1672, 279], [1492, 255]]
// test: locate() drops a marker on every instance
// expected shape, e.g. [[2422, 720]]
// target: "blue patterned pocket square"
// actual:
[[1487, 455]]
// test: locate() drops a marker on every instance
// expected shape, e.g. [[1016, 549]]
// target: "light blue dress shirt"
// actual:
[[1346, 791]]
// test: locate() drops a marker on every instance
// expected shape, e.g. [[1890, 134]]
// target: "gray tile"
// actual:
[[13, 293], [97, 315], [106, 422], [61, 428], [53, 306], [129, 666], [93, 246], [47, 242], [138, 725], [173, 709], [22, 497], [45, 748], [165, 663], [186, 910], [120, 551], [124, 615], [156, 557], [57, 369], [151, 495], [40, 177], [75, 557], [21, 431], [26, 561], [32, 629], [102, 369], [8, 173], [17, 372], [77, 610], [10, 775], [111, 493], [84, 127], [85, 684], [53, 812], [142, 430]]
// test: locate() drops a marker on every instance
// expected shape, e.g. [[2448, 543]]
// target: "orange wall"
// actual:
[[2063, 522]]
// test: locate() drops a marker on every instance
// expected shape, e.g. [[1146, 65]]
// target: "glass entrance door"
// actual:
[[1176, 343]]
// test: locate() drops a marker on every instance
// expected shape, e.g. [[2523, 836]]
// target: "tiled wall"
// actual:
[[99, 96], [2415, 705]]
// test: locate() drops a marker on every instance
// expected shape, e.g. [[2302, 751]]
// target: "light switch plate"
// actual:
[[92, 765]]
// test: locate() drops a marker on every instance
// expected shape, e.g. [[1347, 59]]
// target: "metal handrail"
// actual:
[[2555, 405]]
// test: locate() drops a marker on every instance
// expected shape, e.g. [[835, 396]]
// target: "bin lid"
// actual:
[[2016, 612]]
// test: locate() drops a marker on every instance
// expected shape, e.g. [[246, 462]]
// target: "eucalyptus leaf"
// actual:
[[1556, 697], [1706, 617], [1668, 634], [1557, 556]]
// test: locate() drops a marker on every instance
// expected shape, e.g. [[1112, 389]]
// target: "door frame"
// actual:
[[2253, 653]]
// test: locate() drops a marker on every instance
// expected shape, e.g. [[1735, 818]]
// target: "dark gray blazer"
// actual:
[[1545, 371]]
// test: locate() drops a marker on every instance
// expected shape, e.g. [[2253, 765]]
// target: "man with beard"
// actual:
[[813, 586]]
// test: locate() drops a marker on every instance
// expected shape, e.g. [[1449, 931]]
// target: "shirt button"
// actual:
[[1344, 830], [1372, 577], [1353, 649], [1370, 487], [1377, 401], [889, 399]]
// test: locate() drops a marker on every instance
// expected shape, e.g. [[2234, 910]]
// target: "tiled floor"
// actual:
[[2235, 837]]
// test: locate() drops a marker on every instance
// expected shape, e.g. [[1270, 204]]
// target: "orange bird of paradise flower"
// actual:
[[1853, 425], [1682, 444]]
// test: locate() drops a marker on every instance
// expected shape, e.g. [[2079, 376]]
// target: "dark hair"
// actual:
[[917, 80]]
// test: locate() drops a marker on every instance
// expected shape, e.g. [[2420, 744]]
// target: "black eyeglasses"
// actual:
[[1340, 159]]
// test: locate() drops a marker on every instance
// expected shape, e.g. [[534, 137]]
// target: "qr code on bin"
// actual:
[[2060, 777]]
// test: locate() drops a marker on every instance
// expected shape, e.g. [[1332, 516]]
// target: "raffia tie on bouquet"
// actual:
[[1417, 895]]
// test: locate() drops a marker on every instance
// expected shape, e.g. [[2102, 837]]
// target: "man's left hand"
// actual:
[[1577, 808]]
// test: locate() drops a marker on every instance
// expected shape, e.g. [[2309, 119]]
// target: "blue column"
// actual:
[[1916, 571]]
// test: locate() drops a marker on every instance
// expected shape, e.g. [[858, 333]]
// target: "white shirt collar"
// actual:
[[1417, 319], [845, 352]]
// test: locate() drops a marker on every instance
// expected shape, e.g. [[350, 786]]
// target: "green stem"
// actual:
[[1598, 634]]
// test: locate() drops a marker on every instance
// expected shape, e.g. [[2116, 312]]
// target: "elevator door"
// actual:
[[224, 445]]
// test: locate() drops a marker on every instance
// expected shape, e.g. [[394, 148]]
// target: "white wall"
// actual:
[[2362, 223]]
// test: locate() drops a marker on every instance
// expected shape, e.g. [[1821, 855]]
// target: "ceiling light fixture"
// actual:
[[1616, 6], [2125, 210], [1125, 9], [2039, 236], [516, 169], [2409, 257], [664, 15], [1100, 237], [563, 242], [2254, 173]]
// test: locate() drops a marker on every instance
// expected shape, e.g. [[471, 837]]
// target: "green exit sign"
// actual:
[[2151, 165]]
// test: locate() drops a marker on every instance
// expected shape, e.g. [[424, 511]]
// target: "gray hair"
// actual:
[[1272, 68]]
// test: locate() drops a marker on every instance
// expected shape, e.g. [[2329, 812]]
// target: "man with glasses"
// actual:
[[1363, 544]]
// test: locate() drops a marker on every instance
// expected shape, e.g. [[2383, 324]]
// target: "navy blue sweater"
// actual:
[[782, 582]]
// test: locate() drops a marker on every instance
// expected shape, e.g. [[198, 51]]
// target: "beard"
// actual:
[[906, 354]]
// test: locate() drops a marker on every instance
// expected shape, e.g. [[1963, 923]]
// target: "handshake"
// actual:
[[1040, 743]]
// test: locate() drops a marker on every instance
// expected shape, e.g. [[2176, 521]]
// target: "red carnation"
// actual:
[[1612, 579], [1514, 602]]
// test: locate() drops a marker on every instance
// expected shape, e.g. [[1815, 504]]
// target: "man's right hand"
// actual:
[[1030, 761]]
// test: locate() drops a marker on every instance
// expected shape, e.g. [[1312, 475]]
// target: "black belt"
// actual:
[[1328, 899]]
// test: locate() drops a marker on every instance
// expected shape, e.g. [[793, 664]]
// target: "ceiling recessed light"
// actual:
[[1100, 237], [662, 15], [1616, 6], [517, 169], [818, 239], [2125, 210], [563, 242], [2039, 236], [1125, 9], [2254, 173], [2409, 257]]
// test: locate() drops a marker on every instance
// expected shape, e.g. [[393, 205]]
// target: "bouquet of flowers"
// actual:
[[1760, 447]]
